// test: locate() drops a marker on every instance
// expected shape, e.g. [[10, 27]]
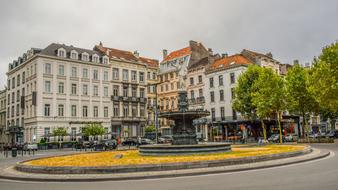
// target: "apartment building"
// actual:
[[58, 86], [221, 79], [174, 64], [3, 129], [129, 91]]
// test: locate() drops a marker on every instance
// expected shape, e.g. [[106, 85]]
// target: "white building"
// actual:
[[59, 86], [221, 79]]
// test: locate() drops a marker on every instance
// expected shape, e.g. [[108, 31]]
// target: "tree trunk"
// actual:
[[264, 130], [303, 125], [280, 128]]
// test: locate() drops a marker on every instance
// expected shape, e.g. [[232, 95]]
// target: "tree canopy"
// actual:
[[93, 129]]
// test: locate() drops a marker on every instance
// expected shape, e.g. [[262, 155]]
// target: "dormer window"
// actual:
[[85, 56], [95, 58], [74, 54], [105, 60], [61, 52]]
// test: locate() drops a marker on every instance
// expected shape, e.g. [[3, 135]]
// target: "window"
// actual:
[[18, 96], [134, 110], [60, 110], [95, 90], [18, 80], [85, 111], [200, 92], [125, 91], [85, 90], [61, 70], [96, 111], [17, 110], [115, 74], [211, 82], [234, 114], [222, 113], [221, 95], [148, 75], [13, 97], [13, 82], [95, 58], [142, 93], [73, 111], [105, 60], [74, 89], [142, 111], [232, 93], [105, 112], [47, 109], [115, 90], [220, 80], [192, 94], [232, 78], [47, 86], [125, 75], [141, 76], [172, 86], [105, 76], [85, 73], [23, 77], [212, 96], [166, 87], [85, 57], [133, 76], [213, 114], [74, 55], [48, 68], [191, 81], [154, 76], [116, 110], [61, 53], [74, 72], [96, 75], [133, 92], [200, 79], [105, 91], [61, 88], [125, 110]]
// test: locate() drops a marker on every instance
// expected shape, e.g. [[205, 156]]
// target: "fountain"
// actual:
[[184, 133]]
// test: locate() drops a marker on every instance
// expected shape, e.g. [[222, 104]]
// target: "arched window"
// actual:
[[61, 52]]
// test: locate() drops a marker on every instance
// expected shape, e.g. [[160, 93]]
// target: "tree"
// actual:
[[299, 98], [60, 132], [269, 97], [150, 129], [93, 129], [244, 90], [324, 80]]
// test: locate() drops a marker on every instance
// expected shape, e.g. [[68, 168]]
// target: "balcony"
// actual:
[[198, 100]]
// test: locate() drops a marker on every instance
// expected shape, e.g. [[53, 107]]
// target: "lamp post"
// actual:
[[155, 112]]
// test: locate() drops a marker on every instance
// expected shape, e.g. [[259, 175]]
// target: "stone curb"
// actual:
[[156, 167], [191, 172]]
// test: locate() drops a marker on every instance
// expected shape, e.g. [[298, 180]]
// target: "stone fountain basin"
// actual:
[[169, 150]]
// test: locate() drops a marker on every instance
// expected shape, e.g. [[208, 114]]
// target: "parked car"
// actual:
[[275, 138], [30, 147], [165, 140], [145, 141], [129, 142], [331, 134], [110, 144]]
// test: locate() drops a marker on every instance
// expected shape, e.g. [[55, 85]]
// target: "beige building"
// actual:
[[58, 86], [174, 64], [129, 91], [3, 129], [263, 60]]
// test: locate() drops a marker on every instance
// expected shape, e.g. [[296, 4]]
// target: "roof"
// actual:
[[200, 63], [51, 49], [227, 62], [256, 54], [116, 53], [149, 62], [178, 53]]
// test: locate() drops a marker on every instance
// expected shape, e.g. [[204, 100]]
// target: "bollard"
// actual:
[[14, 152]]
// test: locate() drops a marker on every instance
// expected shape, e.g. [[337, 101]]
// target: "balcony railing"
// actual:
[[198, 100]]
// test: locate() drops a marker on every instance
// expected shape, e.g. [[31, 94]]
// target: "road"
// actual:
[[320, 174]]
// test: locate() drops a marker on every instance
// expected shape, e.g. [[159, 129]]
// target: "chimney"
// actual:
[[165, 53], [210, 51], [100, 44], [269, 55], [224, 55], [295, 62], [136, 54]]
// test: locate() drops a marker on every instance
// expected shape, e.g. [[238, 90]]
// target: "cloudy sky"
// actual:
[[290, 29]]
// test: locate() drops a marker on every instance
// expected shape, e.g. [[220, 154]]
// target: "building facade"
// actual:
[[57, 87], [3, 128], [221, 79], [129, 92], [174, 65]]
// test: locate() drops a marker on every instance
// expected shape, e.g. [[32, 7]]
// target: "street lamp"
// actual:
[[156, 112]]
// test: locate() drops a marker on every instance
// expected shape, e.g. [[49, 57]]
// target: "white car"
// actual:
[[31, 147]]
